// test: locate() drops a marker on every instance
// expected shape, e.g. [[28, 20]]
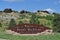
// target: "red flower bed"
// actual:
[[28, 28]]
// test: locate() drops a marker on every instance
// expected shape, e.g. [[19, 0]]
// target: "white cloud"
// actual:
[[50, 10], [13, 0]]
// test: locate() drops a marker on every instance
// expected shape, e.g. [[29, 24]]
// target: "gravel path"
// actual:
[[2, 39]]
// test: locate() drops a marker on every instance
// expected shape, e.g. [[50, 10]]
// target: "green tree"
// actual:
[[0, 25], [56, 23], [12, 23], [49, 17], [7, 10], [20, 22], [34, 19]]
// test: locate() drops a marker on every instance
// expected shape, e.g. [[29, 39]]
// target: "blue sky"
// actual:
[[31, 5]]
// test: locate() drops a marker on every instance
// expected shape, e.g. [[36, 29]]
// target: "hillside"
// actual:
[[44, 17]]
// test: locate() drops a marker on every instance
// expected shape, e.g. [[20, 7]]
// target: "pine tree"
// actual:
[[12, 23]]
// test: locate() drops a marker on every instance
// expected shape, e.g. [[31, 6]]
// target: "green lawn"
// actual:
[[40, 37]]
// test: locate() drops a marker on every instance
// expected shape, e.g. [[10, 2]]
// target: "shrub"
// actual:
[[7, 10], [56, 23], [12, 23], [0, 25]]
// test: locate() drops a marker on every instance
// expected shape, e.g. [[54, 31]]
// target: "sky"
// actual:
[[31, 5]]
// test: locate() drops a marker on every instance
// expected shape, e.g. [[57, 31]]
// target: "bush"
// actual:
[[34, 19], [0, 25], [7, 10], [48, 17], [20, 22], [56, 23], [12, 23]]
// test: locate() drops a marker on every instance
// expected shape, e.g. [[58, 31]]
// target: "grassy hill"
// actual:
[[44, 17]]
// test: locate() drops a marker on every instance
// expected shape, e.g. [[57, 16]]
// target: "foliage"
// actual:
[[12, 23], [41, 17], [38, 10], [0, 25], [7, 10], [34, 19], [23, 11], [56, 23], [49, 17], [20, 22]]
